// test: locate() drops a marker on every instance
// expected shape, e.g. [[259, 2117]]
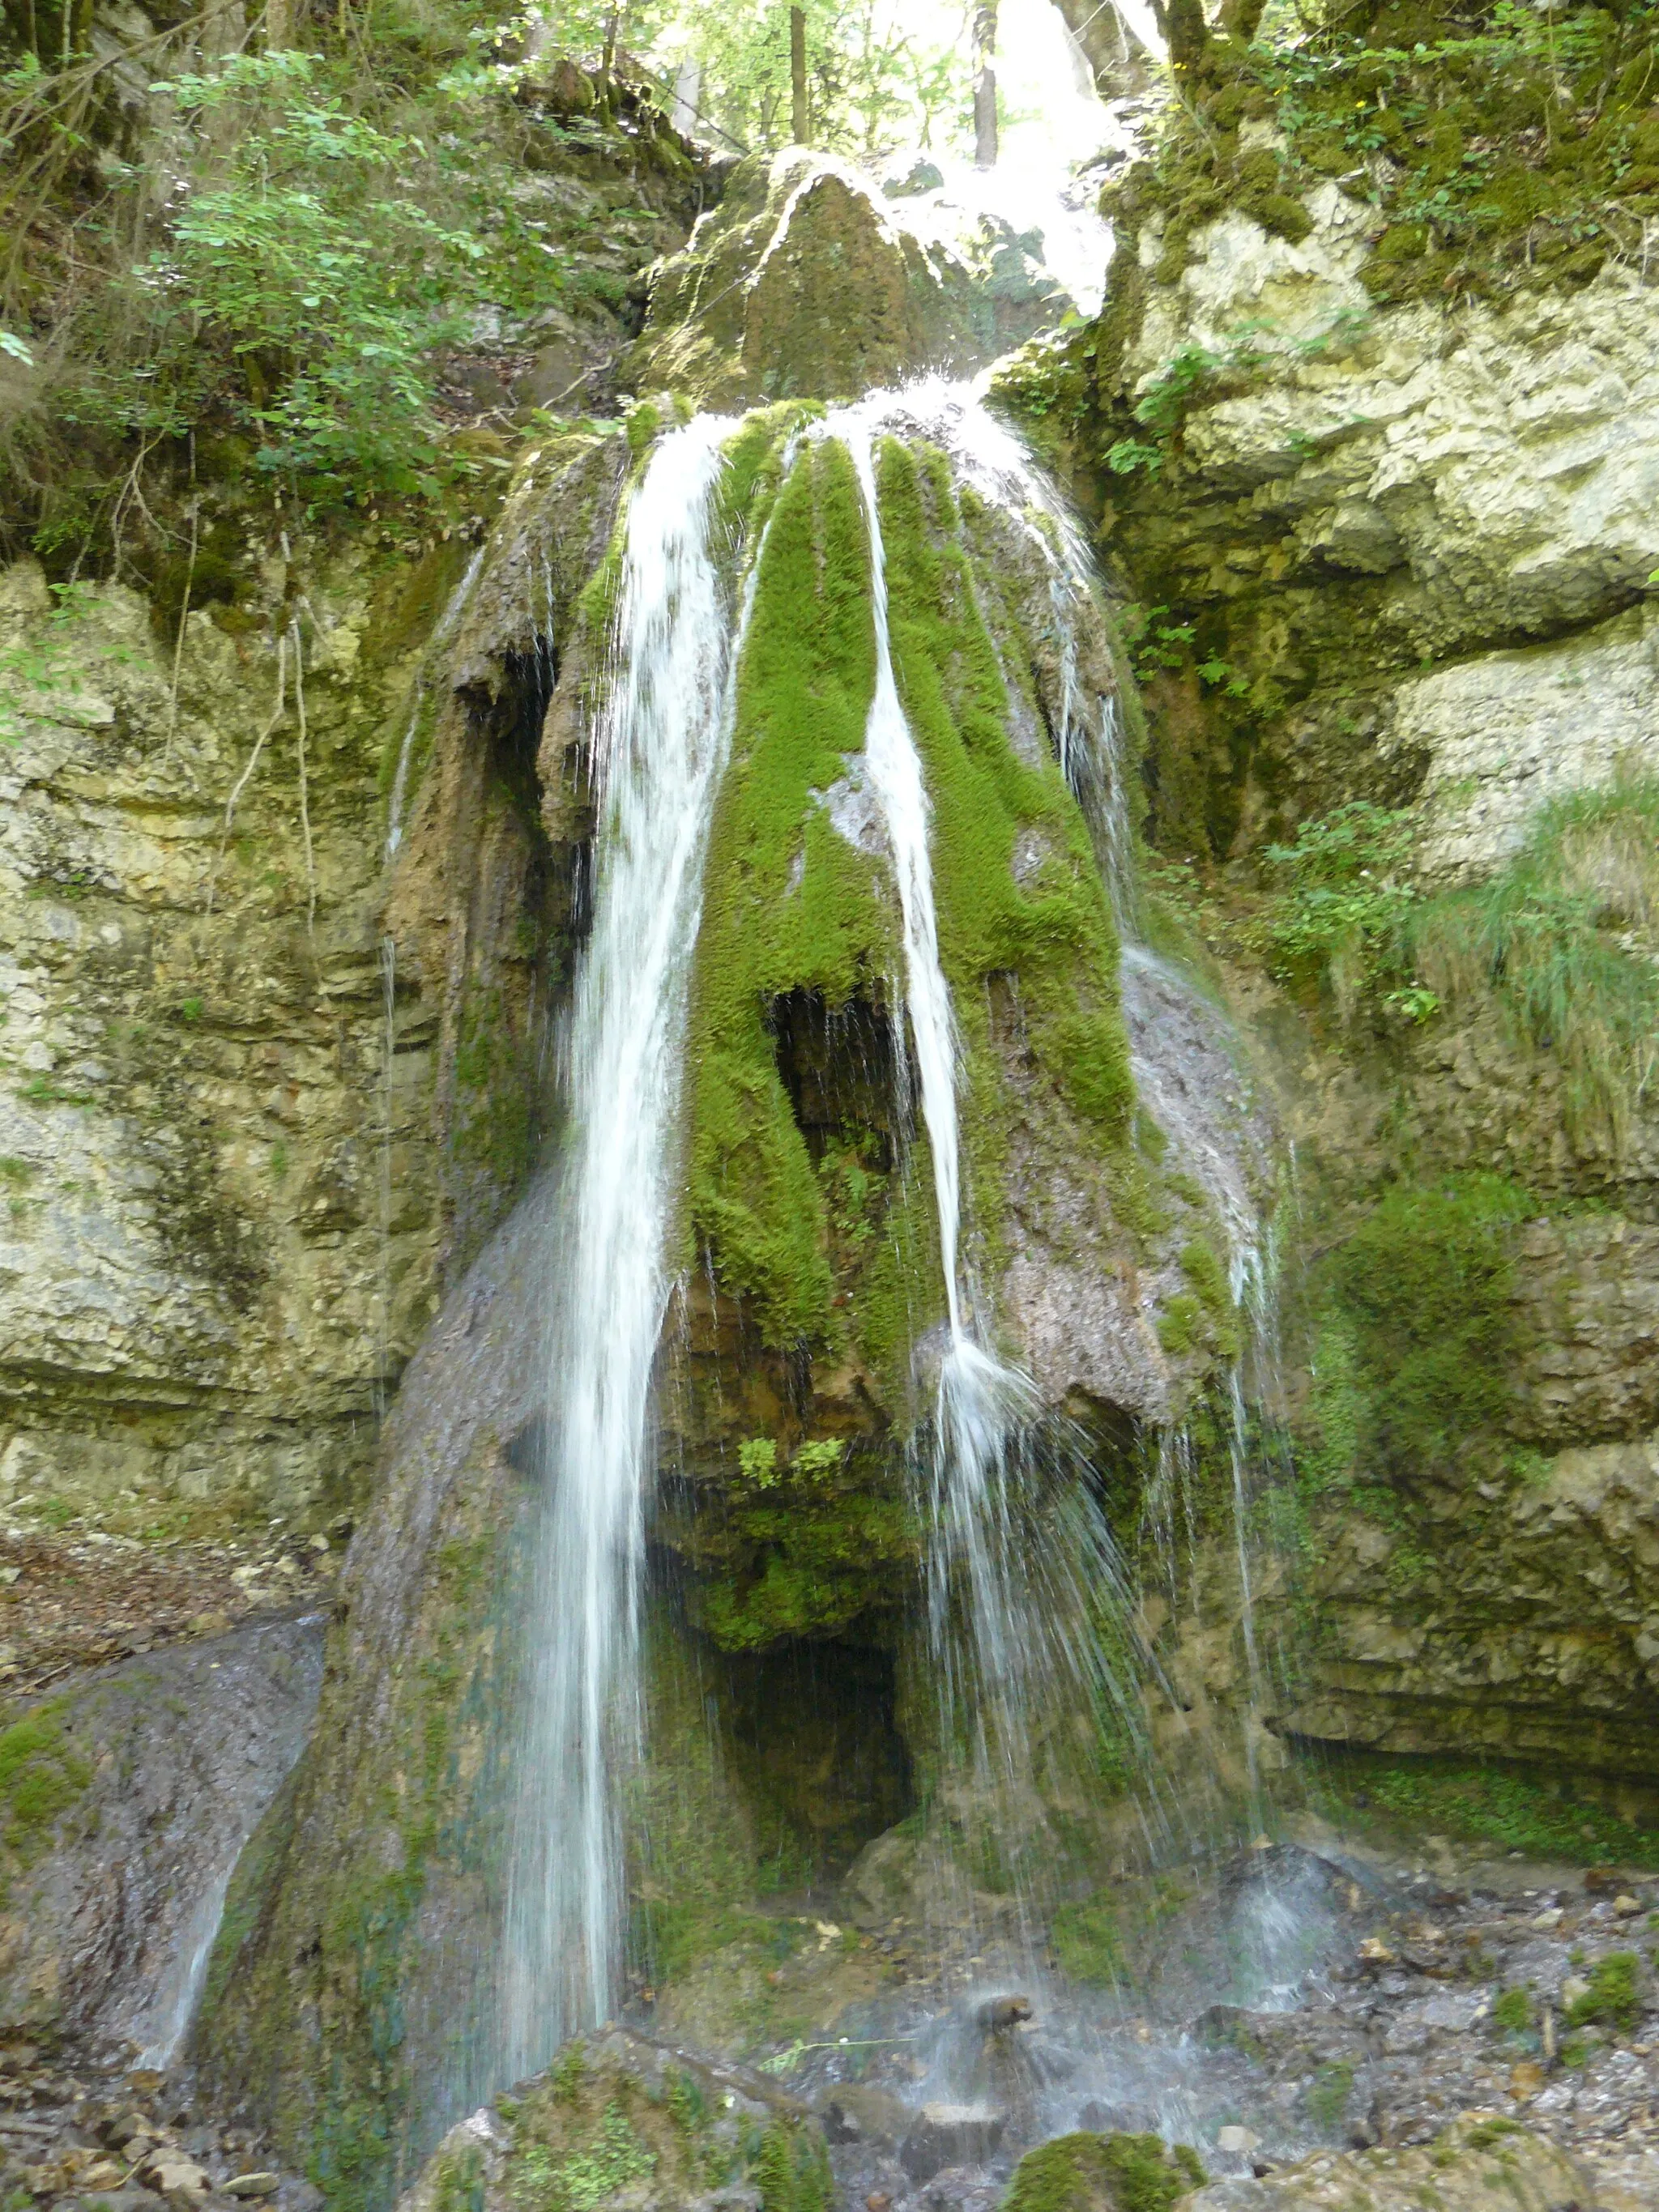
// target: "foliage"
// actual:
[[1504, 1807], [1512, 2012], [52, 663], [1328, 2093], [757, 1458], [1563, 938], [1560, 939], [1343, 898], [1498, 142], [612, 2158], [300, 292]]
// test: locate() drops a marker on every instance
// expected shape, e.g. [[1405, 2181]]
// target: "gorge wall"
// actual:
[[1390, 551]]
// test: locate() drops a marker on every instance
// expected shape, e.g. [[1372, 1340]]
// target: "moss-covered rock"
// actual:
[[799, 285], [1087, 2173], [618, 2115]]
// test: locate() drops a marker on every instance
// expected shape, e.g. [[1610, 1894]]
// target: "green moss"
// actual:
[[1055, 932], [1424, 1319], [1088, 1941], [1512, 2012], [790, 906], [1178, 1324], [1612, 1999], [805, 1568], [1511, 1808], [822, 1238], [1104, 2173], [42, 1777]]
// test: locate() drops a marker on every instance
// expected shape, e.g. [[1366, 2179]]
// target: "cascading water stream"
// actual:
[[661, 748], [1024, 1624], [979, 1402]]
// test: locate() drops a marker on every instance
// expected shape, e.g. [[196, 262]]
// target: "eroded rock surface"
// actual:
[[130, 1795]]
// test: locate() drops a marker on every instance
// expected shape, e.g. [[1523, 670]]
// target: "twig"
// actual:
[[304, 804], [178, 641], [241, 782]]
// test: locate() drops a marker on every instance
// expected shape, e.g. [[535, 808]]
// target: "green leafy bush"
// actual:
[[1345, 891]]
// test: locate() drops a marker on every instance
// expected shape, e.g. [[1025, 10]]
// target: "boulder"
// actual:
[[800, 286], [1086, 2173]]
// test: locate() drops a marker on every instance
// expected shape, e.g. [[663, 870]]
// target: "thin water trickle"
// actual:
[[661, 747], [448, 622], [1008, 1617], [388, 1045]]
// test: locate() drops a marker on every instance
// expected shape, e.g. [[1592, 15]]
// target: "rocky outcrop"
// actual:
[[128, 1797], [1480, 2165], [803, 285], [621, 2114]]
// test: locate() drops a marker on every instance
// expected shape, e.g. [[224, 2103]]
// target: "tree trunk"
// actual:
[[1241, 19], [798, 74], [1117, 60], [985, 85], [1186, 34]]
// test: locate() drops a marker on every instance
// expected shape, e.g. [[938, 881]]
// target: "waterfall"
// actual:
[[661, 747], [1026, 1618]]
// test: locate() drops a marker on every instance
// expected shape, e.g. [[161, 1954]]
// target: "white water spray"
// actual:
[[661, 750]]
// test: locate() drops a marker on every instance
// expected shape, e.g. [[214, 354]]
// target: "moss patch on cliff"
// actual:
[[800, 925], [1499, 147], [1049, 925], [1513, 1808], [1414, 1356], [42, 1777]]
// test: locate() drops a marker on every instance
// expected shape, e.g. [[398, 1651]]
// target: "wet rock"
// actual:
[[1479, 2165], [860, 2112], [158, 1769], [253, 2184], [951, 2135], [958, 2188], [998, 2013]]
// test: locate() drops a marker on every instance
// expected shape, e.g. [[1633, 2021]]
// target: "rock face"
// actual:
[[1408, 542], [1487, 2165], [129, 1795], [800, 285]]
